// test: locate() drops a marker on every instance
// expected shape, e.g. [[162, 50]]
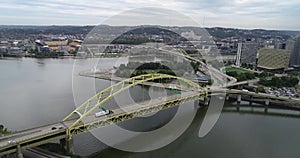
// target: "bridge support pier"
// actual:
[[62, 143], [250, 100], [203, 101], [238, 107], [266, 109], [267, 102], [239, 98], [206, 101], [19, 151], [69, 146]]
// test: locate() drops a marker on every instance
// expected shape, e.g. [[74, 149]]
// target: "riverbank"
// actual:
[[61, 56]]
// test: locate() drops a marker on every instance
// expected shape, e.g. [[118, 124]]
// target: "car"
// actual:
[[61, 127], [11, 141], [53, 128], [245, 90]]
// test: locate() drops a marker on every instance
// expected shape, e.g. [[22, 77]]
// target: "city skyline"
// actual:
[[246, 14]]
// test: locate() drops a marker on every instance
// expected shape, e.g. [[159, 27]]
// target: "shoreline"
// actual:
[[109, 77]]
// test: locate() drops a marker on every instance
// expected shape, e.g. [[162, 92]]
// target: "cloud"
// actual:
[[269, 14]]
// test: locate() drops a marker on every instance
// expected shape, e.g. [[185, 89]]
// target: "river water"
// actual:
[[36, 92]]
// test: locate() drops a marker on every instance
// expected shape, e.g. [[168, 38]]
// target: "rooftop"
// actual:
[[273, 58]]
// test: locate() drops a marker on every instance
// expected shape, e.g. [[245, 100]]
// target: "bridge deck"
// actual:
[[30, 134], [36, 133], [132, 107]]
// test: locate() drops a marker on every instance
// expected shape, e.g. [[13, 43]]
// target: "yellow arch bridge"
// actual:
[[87, 108], [82, 119]]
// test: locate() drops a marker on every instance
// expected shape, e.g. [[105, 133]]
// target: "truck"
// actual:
[[102, 112]]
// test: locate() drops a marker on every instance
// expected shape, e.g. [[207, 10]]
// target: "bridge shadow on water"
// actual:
[[190, 145]]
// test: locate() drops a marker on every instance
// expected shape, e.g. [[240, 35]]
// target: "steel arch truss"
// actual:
[[82, 128], [102, 97]]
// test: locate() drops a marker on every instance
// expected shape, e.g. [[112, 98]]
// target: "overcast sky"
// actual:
[[266, 14]]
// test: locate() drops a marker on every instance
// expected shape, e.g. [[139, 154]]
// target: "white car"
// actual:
[[11, 141]]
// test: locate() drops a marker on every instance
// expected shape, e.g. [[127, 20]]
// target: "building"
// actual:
[[57, 46], [274, 60], [295, 55], [246, 53], [74, 45], [4, 44], [40, 46], [3, 49], [289, 44], [14, 50], [279, 45]]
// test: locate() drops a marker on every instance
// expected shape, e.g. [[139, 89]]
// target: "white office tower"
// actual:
[[246, 54]]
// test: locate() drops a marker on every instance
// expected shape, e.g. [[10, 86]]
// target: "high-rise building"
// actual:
[[289, 44], [246, 53], [295, 55]]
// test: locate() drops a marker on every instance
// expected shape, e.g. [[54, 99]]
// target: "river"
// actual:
[[36, 92]]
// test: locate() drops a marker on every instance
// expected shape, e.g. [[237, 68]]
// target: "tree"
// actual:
[[229, 62], [280, 81], [210, 82], [195, 66]]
